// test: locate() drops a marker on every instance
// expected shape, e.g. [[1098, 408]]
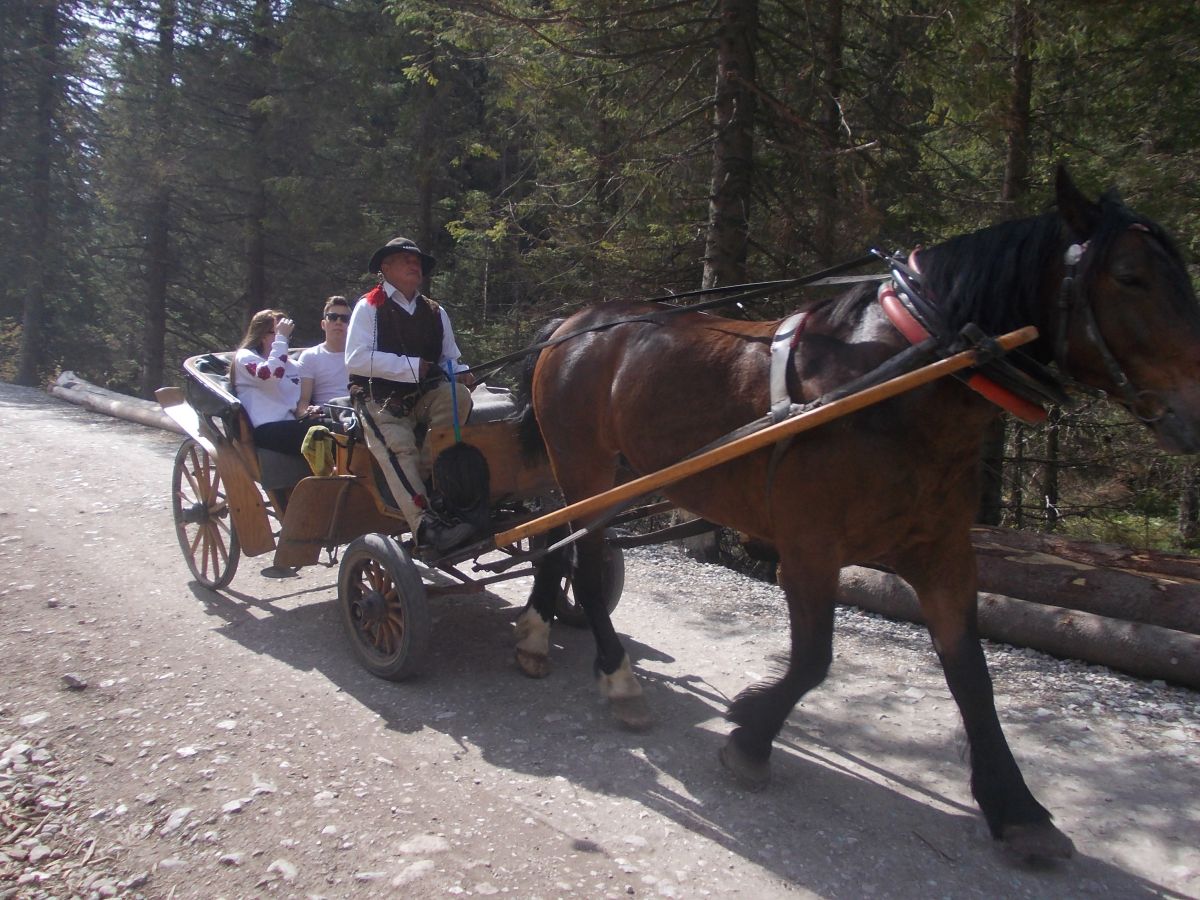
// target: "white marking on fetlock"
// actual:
[[621, 684], [533, 633]]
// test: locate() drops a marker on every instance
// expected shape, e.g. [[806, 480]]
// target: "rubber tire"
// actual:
[[379, 559], [567, 611], [206, 536]]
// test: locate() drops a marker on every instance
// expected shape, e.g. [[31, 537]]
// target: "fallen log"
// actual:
[[1040, 577], [1148, 651], [1114, 556], [75, 390]]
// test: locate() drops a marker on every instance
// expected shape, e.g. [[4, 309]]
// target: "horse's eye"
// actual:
[[1128, 277]]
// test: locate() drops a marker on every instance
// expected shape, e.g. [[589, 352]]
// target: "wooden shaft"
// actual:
[[759, 439]]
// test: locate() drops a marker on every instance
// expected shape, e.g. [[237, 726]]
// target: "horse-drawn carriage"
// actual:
[[231, 499], [1101, 292]]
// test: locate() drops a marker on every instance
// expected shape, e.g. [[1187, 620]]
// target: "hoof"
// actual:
[[535, 665], [752, 774], [632, 712], [1038, 843]]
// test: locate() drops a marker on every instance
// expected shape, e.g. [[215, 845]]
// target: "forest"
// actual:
[[170, 166]]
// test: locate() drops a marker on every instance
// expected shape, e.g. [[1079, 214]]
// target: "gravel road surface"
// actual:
[[161, 740]]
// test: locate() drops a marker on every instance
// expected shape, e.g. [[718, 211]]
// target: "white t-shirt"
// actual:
[[327, 369]]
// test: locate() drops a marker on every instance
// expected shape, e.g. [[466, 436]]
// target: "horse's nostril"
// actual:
[[1150, 407]]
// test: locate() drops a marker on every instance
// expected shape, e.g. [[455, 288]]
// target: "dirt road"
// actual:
[[161, 740]]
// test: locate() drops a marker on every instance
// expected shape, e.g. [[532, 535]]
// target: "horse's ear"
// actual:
[[1081, 214]]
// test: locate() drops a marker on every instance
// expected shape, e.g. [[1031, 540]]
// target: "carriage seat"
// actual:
[[491, 404]]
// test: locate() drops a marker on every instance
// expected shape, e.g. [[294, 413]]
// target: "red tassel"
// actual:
[[376, 296]]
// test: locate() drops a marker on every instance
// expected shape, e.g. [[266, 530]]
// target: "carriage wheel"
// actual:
[[384, 608], [202, 523], [613, 580]]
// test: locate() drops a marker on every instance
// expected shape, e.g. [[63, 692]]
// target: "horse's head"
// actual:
[[1133, 322]]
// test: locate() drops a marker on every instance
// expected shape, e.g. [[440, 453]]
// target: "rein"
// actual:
[[750, 291]]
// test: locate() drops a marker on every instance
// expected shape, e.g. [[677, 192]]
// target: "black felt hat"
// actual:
[[402, 245]]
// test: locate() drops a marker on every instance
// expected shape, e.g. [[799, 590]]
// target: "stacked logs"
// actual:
[[1135, 611]]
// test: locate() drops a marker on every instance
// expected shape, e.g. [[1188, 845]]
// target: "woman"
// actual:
[[268, 384]]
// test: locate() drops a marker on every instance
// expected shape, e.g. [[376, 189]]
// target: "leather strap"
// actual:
[[782, 345]]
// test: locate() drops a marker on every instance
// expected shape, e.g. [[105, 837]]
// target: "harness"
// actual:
[[905, 318]]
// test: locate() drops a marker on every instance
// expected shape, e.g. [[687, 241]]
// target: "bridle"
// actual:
[[1072, 301]]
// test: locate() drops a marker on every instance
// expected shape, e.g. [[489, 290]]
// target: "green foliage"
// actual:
[[552, 154]]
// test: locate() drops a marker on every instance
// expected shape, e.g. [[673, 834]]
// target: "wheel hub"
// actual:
[[373, 607], [195, 514]]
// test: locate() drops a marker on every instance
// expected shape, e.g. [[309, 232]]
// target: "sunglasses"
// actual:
[[337, 317]]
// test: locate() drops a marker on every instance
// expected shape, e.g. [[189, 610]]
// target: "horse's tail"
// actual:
[[529, 433]]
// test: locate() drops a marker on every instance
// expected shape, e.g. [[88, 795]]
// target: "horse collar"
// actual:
[[906, 321]]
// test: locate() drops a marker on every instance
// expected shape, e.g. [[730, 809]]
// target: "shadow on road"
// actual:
[[842, 824]]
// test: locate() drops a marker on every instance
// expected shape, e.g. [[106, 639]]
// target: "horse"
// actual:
[[893, 485]]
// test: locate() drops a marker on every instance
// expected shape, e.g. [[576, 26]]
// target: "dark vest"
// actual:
[[419, 334]]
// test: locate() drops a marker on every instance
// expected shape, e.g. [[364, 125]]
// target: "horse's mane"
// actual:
[[995, 277]]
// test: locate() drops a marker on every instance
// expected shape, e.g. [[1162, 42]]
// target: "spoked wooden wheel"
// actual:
[[384, 607], [612, 578], [202, 523]]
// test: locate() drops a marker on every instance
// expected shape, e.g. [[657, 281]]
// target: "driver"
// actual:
[[398, 350]]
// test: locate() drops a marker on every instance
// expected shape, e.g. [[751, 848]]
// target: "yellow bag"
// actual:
[[318, 450]]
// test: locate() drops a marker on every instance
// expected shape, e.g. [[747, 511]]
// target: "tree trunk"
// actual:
[[38, 292], [1016, 162], [158, 229], [1013, 190], [1018, 484], [1189, 505], [991, 497], [427, 164], [826, 180], [733, 149], [256, 213], [1050, 470]]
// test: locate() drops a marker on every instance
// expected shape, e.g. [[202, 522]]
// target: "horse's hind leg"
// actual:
[[533, 626], [945, 581], [759, 712]]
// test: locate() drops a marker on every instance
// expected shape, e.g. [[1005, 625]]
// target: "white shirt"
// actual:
[[327, 369], [363, 359], [268, 388]]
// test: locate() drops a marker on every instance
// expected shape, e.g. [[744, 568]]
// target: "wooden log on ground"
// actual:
[[1148, 651], [1040, 577], [75, 390], [1114, 556]]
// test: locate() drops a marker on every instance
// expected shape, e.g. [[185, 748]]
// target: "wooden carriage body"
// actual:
[[327, 511]]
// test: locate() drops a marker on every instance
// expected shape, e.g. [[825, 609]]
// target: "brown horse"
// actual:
[[896, 484]]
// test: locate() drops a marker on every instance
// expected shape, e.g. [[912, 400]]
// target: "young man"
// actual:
[[398, 349], [323, 375]]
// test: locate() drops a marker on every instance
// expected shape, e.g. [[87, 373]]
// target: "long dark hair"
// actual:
[[261, 324]]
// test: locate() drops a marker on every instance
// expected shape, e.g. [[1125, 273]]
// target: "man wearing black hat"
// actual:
[[398, 350]]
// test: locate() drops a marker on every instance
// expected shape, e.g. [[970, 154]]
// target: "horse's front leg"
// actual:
[[809, 581], [944, 577]]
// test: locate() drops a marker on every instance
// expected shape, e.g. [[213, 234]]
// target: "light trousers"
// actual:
[[435, 409]]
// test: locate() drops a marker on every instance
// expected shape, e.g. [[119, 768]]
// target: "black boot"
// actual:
[[442, 537]]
